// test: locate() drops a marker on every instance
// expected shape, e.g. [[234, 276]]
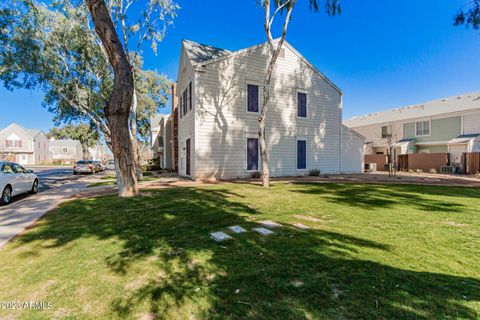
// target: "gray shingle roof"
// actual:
[[426, 109], [199, 53], [64, 143], [33, 132]]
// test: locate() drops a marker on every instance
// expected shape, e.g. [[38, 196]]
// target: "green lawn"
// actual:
[[373, 252]]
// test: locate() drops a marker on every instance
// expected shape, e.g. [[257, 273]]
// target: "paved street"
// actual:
[[56, 185], [52, 176]]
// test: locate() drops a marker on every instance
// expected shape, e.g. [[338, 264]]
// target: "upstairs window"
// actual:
[[180, 106], [185, 107], [301, 104], [13, 143], [252, 98], [386, 132], [190, 95], [423, 128], [64, 150]]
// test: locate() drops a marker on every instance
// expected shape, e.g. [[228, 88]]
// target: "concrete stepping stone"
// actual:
[[237, 229], [263, 231], [270, 224], [220, 236], [301, 226]]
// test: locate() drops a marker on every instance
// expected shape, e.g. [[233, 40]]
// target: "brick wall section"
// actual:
[[427, 161], [379, 159]]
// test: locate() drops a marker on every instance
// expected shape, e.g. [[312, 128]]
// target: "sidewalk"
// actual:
[[19, 215]]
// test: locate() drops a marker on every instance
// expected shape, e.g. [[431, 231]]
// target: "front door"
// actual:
[[188, 158]]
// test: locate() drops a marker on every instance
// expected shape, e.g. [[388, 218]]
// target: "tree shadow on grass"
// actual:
[[293, 274], [385, 196]]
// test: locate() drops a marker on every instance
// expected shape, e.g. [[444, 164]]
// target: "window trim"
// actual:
[[246, 98], [252, 136], [296, 103], [306, 154], [429, 128]]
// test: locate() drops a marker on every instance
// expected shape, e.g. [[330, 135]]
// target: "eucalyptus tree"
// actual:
[[469, 15], [283, 8], [83, 73], [140, 21]]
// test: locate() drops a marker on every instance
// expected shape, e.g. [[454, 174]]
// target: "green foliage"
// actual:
[[53, 47], [332, 7], [469, 15], [85, 133]]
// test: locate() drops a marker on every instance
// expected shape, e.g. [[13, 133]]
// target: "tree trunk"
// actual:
[[133, 128], [274, 51], [261, 134], [118, 106]]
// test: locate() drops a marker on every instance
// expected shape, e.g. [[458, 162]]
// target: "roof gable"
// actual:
[[225, 54], [32, 133]]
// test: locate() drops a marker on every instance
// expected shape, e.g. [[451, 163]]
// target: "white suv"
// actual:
[[15, 180]]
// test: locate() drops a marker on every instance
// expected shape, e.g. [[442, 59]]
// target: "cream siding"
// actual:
[[471, 123], [223, 125], [352, 151], [186, 123]]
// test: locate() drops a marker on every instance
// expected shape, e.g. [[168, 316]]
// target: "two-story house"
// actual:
[[449, 125], [24, 146], [66, 151], [220, 95]]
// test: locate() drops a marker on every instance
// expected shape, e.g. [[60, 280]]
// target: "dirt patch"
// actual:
[[454, 224], [147, 316], [306, 218]]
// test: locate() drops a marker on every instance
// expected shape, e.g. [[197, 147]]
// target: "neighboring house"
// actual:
[[66, 151], [220, 95], [24, 146], [161, 139], [99, 153], [449, 125]]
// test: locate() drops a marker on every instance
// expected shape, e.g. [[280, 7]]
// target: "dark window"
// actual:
[[190, 95], [185, 107], [302, 104], [252, 99], [386, 132], [181, 106], [252, 154], [301, 154]]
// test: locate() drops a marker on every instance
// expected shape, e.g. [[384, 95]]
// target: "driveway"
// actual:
[[57, 185]]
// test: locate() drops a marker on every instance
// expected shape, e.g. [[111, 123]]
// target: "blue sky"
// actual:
[[382, 54]]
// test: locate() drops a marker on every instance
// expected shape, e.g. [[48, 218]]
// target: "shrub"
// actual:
[[418, 171], [411, 171], [477, 175], [314, 172], [433, 170], [255, 175]]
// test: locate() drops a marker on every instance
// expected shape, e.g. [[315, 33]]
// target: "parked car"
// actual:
[[111, 164], [85, 166], [15, 180], [100, 165]]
